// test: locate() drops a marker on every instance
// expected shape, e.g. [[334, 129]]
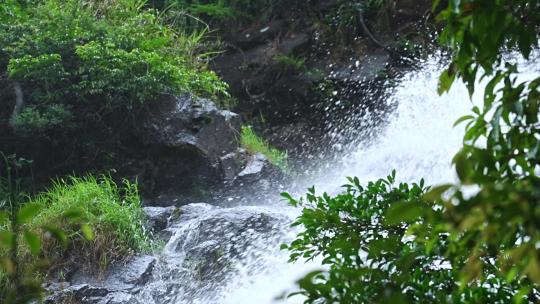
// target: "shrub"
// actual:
[[367, 236], [88, 70], [255, 144], [499, 223], [116, 61]]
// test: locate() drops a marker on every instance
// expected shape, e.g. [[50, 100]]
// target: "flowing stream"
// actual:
[[231, 255]]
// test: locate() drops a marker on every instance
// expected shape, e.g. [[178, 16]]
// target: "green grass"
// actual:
[[113, 212], [255, 144], [78, 224]]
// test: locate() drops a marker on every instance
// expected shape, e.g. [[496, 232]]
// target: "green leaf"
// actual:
[[6, 239], [521, 295], [445, 81], [27, 213], [74, 214], [33, 241], [463, 168], [403, 212], [533, 269], [462, 119], [4, 217], [58, 234], [435, 5], [7, 265], [435, 193], [286, 196], [87, 232]]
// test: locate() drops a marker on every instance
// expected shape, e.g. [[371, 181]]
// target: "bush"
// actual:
[[88, 70], [500, 155], [255, 144], [115, 62], [368, 238]]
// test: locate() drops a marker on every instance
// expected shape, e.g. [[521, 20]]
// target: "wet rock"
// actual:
[[258, 34], [187, 121], [233, 163], [119, 283], [158, 217], [204, 259], [363, 69], [231, 226], [118, 298], [79, 293], [294, 43], [257, 168], [297, 139], [134, 273], [186, 136], [208, 244]]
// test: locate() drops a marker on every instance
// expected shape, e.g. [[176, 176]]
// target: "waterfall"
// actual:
[[418, 142], [242, 243]]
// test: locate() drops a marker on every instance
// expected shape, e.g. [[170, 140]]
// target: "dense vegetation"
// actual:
[[367, 237], [227, 16], [398, 244], [76, 76]]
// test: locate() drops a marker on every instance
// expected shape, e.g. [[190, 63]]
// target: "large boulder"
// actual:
[[186, 136], [194, 123]]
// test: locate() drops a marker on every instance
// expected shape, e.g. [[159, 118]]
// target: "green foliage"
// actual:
[[88, 70], [83, 222], [500, 154], [32, 120], [255, 144], [21, 241], [371, 239], [236, 10], [127, 57], [489, 238]]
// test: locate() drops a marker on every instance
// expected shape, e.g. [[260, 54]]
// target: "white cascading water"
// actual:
[[419, 142]]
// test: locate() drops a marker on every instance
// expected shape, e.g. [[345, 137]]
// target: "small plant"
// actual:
[[290, 63], [255, 144]]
